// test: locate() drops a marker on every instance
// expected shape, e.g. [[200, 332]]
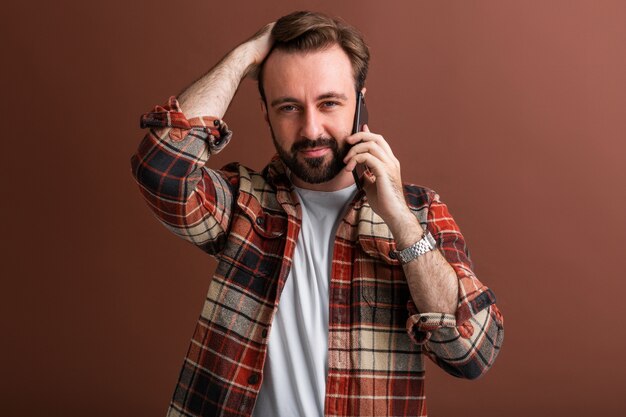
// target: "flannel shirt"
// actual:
[[249, 221]]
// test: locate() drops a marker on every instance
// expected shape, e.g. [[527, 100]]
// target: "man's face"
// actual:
[[310, 99]]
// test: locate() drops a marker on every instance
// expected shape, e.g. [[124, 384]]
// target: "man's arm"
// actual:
[[432, 281], [191, 200], [455, 315], [213, 92], [466, 343]]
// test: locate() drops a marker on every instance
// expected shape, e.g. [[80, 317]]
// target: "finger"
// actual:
[[369, 147], [351, 165], [366, 136], [381, 141], [267, 29], [374, 164]]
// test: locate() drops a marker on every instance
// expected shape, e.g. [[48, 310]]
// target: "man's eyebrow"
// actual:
[[283, 100], [330, 94]]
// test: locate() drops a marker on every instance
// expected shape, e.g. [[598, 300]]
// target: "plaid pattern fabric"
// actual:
[[249, 221]]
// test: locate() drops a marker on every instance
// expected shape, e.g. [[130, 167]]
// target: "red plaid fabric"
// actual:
[[249, 221]]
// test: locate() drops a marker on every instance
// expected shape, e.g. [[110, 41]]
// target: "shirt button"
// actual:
[[424, 318], [260, 221], [253, 379], [392, 254], [264, 333]]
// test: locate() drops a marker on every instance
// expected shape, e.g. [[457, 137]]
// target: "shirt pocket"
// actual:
[[385, 295], [381, 284]]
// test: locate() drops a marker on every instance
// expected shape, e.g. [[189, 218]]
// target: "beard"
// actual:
[[313, 170]]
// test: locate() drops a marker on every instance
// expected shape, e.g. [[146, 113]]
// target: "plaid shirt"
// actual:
[[249, 221]]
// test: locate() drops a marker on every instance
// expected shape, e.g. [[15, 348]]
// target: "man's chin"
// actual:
[[314, 171], [314, 163]]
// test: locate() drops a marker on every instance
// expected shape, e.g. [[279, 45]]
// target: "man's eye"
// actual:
[[288, 108], [330, 104]]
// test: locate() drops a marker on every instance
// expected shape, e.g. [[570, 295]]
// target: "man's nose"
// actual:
[[311, 125]]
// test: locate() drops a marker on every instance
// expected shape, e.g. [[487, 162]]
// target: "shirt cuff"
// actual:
[[421, 326], [171, 116]]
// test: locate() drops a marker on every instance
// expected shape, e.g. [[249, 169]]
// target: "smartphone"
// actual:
[[360, 118]]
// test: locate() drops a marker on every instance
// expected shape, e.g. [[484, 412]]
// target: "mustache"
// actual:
[[318, 143]]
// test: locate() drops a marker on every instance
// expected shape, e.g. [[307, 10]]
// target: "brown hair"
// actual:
[[305, 31]]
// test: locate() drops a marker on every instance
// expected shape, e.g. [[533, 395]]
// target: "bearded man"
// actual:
[[328, 293]]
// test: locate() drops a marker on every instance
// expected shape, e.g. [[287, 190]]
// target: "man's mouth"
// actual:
[[314, 152]]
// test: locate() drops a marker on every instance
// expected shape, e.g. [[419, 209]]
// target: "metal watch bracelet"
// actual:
[[425, 244]]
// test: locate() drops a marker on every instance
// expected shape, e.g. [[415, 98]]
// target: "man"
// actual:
[[326, 296]]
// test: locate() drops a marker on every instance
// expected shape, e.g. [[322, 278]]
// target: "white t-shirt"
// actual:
[[294, 379]]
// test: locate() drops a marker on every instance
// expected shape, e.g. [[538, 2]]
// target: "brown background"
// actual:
[[513, 111]]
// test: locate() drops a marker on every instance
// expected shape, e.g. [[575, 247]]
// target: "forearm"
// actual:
[[464, 345], [212, 93], [454, 315], [432, 281]]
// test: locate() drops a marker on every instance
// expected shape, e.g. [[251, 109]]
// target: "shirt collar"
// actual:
[[360, 223]]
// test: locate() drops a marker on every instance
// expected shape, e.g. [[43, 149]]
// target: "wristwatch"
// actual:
[[425, 244]]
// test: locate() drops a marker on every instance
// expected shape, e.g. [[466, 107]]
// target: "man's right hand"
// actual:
[[260, 45]]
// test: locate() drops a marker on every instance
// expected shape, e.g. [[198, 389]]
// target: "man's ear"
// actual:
[[363, 90], [264, 110]]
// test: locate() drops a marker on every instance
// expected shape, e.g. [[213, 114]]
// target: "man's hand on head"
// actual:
[[213, 92], [260, 45]]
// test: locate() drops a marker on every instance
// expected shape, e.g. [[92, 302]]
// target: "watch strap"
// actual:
[[422, 246]]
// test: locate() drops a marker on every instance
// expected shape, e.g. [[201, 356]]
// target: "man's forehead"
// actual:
[[318, 72]]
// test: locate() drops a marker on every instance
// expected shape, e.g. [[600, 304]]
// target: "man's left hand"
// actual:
[[383, 182]]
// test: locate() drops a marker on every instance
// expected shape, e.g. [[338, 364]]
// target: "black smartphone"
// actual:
[[360, 118]]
